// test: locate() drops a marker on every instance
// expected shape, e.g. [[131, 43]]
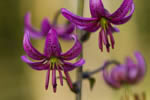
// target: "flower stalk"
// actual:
[[88, 75], [80, 7]]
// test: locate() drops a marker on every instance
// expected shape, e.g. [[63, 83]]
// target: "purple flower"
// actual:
[[128, 73], [102, 19], [63, 31], [53, 59]]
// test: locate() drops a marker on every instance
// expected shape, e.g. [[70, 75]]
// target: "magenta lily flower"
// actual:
[[63, 31], [53, 59], [102, 19], [127, 73]]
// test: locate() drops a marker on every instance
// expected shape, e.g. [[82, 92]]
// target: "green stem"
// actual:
[[80, 7]]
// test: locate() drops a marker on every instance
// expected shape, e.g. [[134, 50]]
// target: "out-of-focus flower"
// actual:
[[102, 19], [53, 59], [63, 31], [127, 73]]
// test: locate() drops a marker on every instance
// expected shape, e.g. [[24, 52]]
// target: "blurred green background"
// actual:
[[19, 82]]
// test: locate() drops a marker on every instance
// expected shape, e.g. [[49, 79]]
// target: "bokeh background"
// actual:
[[19, 82]]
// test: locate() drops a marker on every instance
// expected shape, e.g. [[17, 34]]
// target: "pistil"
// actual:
[[104, 23], [55, 63]]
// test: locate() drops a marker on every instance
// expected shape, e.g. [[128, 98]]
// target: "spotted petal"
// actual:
[[74, 51], [69, 66], [29, 49], [35, 65], [52, 46], [97, 8], [77, 19], [122, 10]]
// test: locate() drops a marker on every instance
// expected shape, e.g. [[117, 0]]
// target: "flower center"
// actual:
[[104, 23], [55, 62]]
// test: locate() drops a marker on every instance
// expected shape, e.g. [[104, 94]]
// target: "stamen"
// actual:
[[45, 62], [60, 76], [61, 67], [54, 83], [100, 41]]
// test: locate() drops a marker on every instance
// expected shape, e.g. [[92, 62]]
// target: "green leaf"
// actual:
[[92, 82]]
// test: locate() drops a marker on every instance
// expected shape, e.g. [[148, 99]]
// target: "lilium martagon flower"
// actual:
[[63, 31], [53, 59], [103, 20], [128, 73]]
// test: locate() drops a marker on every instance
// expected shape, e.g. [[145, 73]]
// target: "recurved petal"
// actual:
[[52, 46], [35, 65], [133, 73], [69, 66], [109, 80], [74, 51], [45, 26], [140, 59], [124, 19], [97, 8], [29, 49], [77, 19], [91, 28], [70, 28], [140, 63], [132, 70], [122, 10], [34, 33], [64, 31], [129, 61]]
